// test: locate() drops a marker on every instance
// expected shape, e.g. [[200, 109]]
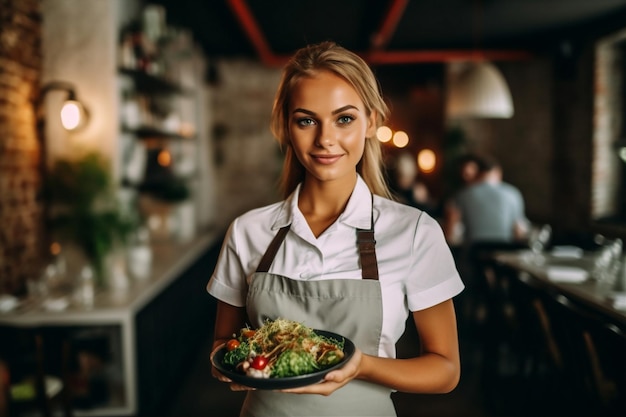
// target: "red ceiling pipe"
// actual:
[[250, 26], [389, 24], [376, 57], [452, 55]]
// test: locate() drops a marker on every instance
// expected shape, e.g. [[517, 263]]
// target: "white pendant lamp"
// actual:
[[477, 89]]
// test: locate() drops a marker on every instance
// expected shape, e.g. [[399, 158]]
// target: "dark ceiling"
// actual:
[[392, 31]]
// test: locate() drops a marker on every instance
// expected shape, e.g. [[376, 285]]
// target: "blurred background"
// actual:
[[132, 132]]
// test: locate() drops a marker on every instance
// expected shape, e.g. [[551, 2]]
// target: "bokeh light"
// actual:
[[400, 139], [384, 134], [426, 160], [164, 158]]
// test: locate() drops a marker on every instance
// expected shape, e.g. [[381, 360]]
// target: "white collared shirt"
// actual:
[[415, 265]]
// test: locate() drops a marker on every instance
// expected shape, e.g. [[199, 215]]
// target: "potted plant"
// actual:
[[169, 208], [85, 211]]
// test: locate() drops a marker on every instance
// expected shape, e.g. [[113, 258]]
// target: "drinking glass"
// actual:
[[538, 239], [607, 261], [38, 288]]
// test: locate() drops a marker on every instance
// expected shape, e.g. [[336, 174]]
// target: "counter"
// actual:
[[131, 313]]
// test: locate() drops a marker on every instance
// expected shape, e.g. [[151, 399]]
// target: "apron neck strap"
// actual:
[[364, 238], [270, 253], [366, 243]]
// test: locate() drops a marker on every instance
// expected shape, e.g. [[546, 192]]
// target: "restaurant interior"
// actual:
[[132, 132]]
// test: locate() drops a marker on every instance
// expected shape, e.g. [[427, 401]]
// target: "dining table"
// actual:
[[571, 272]]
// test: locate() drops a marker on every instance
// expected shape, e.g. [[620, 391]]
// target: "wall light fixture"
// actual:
[[73, 113]]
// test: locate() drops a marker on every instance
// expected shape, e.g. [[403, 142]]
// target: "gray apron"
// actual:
[[352, 308]]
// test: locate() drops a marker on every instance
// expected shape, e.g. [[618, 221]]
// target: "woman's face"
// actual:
[[328, 124]]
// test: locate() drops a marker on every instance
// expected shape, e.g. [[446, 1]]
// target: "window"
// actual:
[[609, 141]]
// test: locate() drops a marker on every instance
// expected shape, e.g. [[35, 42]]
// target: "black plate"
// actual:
[[287, 382]]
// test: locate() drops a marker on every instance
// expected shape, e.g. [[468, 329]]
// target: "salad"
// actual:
[[281, 348]]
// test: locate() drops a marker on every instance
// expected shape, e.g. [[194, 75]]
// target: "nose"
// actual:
[[325, 136]]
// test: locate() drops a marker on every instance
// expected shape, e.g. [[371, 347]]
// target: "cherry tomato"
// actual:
[[232, 344], [259, 362], [248, 333]]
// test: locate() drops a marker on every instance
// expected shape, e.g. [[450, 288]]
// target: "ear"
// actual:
[[371, 125]]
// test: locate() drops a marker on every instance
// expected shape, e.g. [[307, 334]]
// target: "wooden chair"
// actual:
[[482, 301], [521, 367], [593, 355]]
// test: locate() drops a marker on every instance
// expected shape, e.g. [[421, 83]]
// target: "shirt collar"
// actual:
[[358, 212]]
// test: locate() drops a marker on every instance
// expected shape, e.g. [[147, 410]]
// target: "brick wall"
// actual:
[[21, 213], [248, 160]]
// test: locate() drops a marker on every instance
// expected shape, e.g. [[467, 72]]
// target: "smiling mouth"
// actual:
[[326, 159]]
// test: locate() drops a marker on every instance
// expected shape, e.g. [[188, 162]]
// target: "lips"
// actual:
[[326, 159]]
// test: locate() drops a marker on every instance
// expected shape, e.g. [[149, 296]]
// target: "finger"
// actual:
[[323, 388], [238, 387], [336, 376], [219, 376], [342, 375], [214, 351]]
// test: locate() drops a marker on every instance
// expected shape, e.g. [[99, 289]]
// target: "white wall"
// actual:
[[79, 45]]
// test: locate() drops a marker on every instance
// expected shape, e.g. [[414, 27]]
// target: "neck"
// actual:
[[322, 202], [327, 193]]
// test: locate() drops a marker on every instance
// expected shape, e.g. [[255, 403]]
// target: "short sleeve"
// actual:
[[433, 276], [228, 281]]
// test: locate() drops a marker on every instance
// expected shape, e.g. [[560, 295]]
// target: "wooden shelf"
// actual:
[[152, 133], [147, 83]]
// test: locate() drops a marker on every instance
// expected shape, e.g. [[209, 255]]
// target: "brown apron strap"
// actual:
[[270, 253], [365, 241], [367, 250]]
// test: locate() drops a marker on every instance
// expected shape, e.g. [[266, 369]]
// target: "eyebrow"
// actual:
[[339, 110]]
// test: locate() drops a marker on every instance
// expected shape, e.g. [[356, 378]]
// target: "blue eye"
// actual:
[[343, 120], [305, 122]]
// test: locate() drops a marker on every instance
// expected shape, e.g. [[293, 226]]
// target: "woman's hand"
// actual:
[[334, 379], [217, 374], [228, 321]]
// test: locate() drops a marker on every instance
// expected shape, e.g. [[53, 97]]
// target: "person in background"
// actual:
[[407, 187], [422, 199], [485, 215], [325, 115], [403, 177], [467, 170], [489, 210]]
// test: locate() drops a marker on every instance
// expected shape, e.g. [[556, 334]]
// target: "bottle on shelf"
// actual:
[[86, 286], [140, 255]]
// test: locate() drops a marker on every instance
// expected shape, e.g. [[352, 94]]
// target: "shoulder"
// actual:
[[394, 208], [510, 188], [470, 192], [257, 219], [409, 237], [399, 217], [261, 212]]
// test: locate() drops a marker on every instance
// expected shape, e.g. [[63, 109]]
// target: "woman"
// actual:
[[325, 115]]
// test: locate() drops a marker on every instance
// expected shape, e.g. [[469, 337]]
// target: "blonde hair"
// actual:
[[328, 56]]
